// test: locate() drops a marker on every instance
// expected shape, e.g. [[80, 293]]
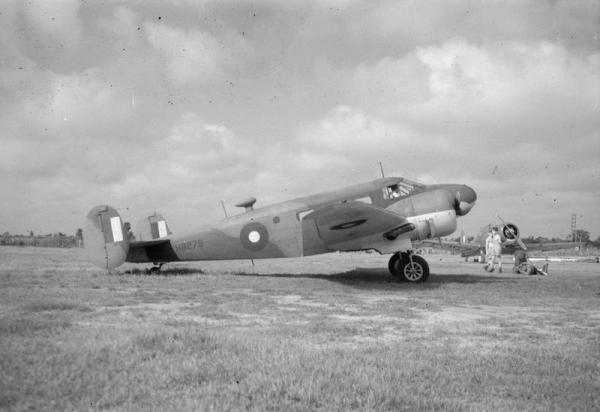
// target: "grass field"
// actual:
[[331, 332]]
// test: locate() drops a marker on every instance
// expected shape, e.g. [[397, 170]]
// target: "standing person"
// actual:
[[488, 250], [496, 250]]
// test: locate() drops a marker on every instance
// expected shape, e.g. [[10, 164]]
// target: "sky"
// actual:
[[173, 106]]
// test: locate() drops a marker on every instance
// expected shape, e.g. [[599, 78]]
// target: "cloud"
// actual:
[[194, 55], [501, 104], [107, 103], [51, 130], [351, 141], [572, 24], [55, 21], [197, 161], [520, 86]]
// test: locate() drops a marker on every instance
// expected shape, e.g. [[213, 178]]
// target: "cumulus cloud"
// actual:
[[524, 85], [195, 55], [197, 161], [55, 20], [104, 102]]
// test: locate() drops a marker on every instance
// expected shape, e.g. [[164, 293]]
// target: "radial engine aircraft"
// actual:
[[511, 242], [386, 215]]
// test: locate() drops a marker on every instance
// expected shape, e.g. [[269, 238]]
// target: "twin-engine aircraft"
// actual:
[[386, 215]]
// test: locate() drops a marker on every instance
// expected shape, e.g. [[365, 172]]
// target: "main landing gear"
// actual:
[[156, 268], [409, 267]]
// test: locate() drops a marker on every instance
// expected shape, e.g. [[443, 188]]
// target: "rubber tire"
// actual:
[[525, 269], [393, 262], [420, 272], [530, 270]]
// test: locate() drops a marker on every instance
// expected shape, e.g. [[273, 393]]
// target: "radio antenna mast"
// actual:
[[381, 169], [223, 206]]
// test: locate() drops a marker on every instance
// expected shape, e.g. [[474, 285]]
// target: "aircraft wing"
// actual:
[[136, 244], [549, 246], [342, 222], [465, 249], [509, 247]]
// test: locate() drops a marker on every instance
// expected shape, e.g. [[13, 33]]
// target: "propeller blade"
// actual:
[[515, 235]]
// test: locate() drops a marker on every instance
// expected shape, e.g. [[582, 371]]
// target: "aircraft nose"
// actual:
[[465, 200]]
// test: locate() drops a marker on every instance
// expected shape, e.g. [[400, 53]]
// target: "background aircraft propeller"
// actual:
[[511, 232]]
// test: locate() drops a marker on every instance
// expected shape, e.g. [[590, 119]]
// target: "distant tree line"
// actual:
[[62, 240], [49, 240]]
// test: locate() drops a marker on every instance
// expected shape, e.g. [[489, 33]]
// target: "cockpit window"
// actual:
[[400, 189]]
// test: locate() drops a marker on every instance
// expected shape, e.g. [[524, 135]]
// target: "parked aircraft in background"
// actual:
[[386, 215], [511, 242]]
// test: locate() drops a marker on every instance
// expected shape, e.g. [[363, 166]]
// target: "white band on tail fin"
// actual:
[[162, 229], [117, 231]]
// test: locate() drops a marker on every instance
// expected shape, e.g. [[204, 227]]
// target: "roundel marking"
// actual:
[[254, 236]]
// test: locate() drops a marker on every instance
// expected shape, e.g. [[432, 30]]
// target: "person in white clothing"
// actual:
[[488, 250], [496, 251]]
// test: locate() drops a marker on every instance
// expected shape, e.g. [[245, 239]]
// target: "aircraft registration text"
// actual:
[[189, 245]]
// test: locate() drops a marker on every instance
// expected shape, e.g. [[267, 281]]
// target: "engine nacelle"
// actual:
[[433, 225]]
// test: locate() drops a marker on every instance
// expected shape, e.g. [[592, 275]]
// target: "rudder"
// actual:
[[106, 242], [152, 228]]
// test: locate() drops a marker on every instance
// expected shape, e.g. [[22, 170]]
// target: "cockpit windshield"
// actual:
[[400, 189]]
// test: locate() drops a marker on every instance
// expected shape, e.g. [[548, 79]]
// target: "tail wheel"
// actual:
[[414, 270]]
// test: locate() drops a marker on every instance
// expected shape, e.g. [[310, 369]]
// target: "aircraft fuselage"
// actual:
[[294, 228]]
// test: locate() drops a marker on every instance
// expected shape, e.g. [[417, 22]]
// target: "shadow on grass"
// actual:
[[378, 278], [360, 277], [163, 272], [468, 279]]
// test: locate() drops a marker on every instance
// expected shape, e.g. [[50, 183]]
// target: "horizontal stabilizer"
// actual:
[[156, 251]]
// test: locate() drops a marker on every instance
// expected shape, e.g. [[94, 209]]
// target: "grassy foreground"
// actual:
[[331, 332]]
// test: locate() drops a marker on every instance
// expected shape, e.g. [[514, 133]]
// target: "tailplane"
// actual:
[[106, 241]]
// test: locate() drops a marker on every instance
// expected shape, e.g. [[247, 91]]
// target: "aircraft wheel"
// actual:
[[521, 268], [415, 271], [526, 269], [392, 264]]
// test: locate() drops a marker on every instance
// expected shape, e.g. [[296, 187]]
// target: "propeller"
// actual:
[[511, 232]]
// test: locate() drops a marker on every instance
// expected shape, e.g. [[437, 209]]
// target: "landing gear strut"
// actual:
[[409, 267]]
